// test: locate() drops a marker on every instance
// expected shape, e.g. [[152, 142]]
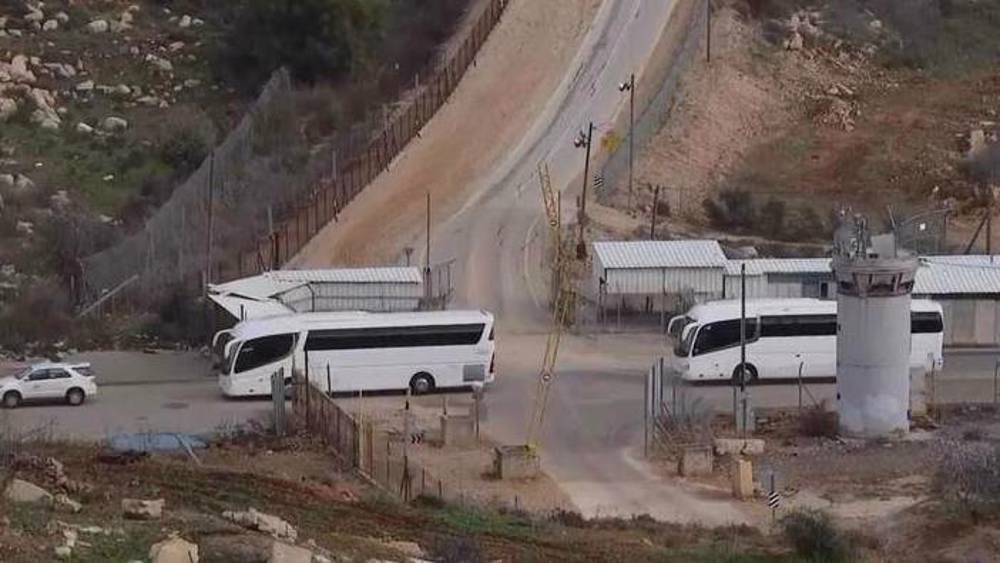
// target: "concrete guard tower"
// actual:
[[874, 283]]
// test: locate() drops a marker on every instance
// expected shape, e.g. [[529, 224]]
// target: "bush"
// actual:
[[733, 210], [457, 550], [315, 39], [969, 475], [41, 313], [814, 536]]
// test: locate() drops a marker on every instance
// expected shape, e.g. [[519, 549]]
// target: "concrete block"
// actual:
[[458, 430], [742, 479], [739, 446], [696, 460], [516, 462]]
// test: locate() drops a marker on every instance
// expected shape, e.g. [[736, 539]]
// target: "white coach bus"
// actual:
[[364, 351], [781, 335]]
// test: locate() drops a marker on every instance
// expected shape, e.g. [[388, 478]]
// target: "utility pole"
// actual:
[[708, 34], [630, 87], [652, 224], [211, 223], [584, 142], [989, 223], [428, 290]]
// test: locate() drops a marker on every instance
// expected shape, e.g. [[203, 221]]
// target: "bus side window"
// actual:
[[262, 351], [723, 334]]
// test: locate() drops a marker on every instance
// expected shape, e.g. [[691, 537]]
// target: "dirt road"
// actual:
[[514, 76], [548, 70]]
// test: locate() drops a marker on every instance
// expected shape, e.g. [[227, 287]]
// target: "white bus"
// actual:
[[364, 351], [781, 335]]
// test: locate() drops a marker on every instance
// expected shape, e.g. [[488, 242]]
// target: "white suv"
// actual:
[[72, 383]]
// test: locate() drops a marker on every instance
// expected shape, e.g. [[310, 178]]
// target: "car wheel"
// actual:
[[75, 397], [421, 384], [11, 399]]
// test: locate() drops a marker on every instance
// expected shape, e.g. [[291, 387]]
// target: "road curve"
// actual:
[[590, 441]]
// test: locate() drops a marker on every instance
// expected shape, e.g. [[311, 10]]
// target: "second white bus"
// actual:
[[781, 336], [360, 351]]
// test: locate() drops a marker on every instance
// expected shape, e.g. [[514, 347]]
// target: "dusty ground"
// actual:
[[465, 472], [514, 75]]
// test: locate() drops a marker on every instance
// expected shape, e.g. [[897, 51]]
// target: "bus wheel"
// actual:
[[422, 383], [751, 374]]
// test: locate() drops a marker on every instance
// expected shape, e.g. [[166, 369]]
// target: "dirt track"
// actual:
[[514, 76]]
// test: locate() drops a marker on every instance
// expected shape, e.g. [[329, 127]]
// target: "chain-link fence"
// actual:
[[650, 120], [263, 194]]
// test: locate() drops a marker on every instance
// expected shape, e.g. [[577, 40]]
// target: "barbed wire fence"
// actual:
[[264, 193]]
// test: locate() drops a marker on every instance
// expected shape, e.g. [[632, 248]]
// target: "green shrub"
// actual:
[[814, 537], [315, 39]]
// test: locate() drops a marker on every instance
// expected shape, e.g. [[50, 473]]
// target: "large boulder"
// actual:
[[24, 492], [98, 26], [8, 108], [138, 509], [114, 124], [265, 523], [18, 70], [50, 25], [174, 550], [284, 553]]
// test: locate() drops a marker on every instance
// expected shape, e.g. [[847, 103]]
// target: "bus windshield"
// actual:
[[683, 348]]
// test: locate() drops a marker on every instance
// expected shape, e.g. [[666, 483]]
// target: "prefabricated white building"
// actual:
[[646, 274], [388, 289]]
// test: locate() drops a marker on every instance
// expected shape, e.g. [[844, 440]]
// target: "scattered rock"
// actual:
[[62, 17], [50, 25], [20, 491], [121, 90], [114, 124], [407, 548], [159, 63], [85, 86], [285, 553], [151, 101], [126, 18], [23, 184], [63, 552], [62, 501], [192, 83], [138, 509], [7, 180], [63, 70], [34, 16], [175, 46], [8, 107], [174, 550], [60, 200], [84, 129], [18, 70], [44, 120], [875, 25], [185, 21], [795, 43], [261, 522], [197, 22], [27, 229], [977, 143], [98, 26]]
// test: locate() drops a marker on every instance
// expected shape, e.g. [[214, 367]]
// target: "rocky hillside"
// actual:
[[104, 106]]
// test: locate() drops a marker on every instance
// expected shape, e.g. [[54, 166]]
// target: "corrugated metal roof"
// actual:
[[405, 274], [761, 266], [244, 308], [272, 283], [944, 275], [660, 254]]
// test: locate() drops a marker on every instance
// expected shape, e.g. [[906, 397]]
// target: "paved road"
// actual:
[[163, 392]]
